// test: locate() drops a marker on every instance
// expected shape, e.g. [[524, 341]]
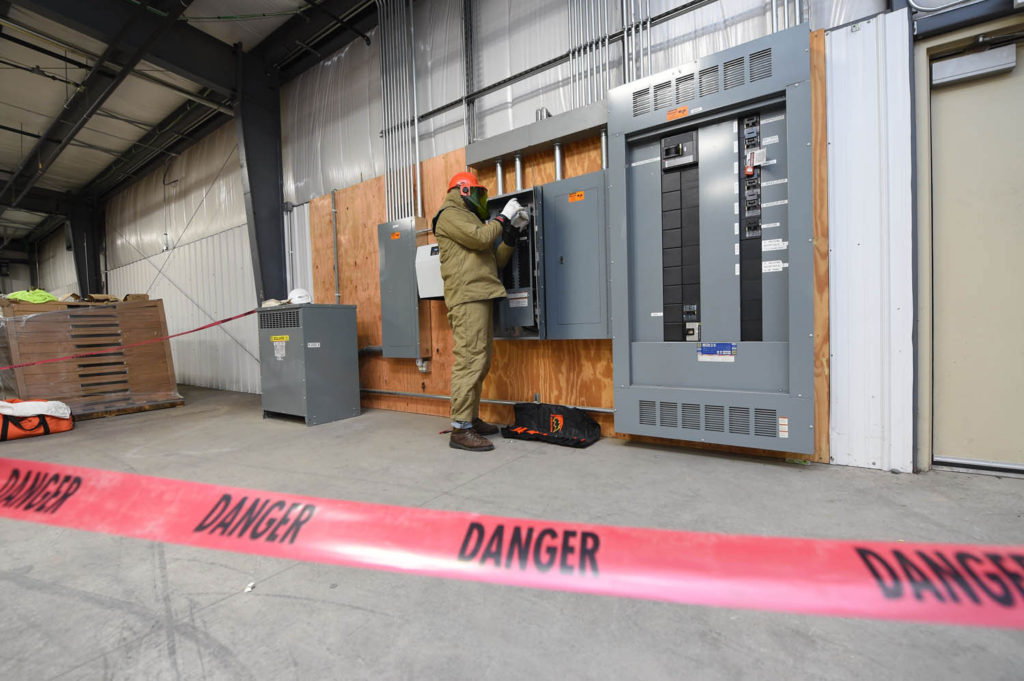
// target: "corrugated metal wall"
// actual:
[[201, 282], [299, 248], [870, 246], [57, 266]]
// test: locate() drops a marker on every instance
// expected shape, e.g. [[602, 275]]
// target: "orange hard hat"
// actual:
[[463, 179]]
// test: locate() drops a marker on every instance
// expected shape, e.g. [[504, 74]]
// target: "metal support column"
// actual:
[[87, 232], [258, 126]]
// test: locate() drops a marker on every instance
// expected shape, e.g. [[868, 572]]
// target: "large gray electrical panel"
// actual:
[[575, 258], [712, 275], [309, 361], [399, 297]]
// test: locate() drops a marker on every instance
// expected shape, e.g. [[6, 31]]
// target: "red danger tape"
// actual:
[[946, 583]]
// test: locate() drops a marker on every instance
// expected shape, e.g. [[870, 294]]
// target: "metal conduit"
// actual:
[[429, 396], [519, 173]]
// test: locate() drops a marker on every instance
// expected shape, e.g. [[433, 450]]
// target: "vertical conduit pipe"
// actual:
[[334, 230], [591, 57], [607, 50], [519, 172], [775, 16], [647, 31], [415, 114], [558, 161], [604, 147], [572, 56], [381, 42], [500, 172], [581, 52], [785, 12], [594, 45], [401, 35]]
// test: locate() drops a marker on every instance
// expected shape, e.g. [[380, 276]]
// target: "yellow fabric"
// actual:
[[473, 329], [34, 296], [469, 260]]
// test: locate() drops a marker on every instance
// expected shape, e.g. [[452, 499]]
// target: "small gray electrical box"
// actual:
[[309, 361], [400, 316]]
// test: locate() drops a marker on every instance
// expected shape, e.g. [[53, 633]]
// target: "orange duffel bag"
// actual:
[[16, 427]]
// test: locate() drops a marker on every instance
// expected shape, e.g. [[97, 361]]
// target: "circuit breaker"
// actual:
[[521, 313], [712, 275]]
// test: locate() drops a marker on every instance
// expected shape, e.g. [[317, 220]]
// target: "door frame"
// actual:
[[923, 52]]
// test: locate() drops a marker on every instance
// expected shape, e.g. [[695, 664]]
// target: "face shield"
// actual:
[[475, 199]]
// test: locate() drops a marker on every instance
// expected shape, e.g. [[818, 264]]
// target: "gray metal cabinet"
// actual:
[[575, 258]]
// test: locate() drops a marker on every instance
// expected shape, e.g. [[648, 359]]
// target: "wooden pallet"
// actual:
[[124, 381]]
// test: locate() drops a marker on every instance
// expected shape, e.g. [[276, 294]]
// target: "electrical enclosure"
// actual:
[[309, 361], [521, 314], [712, 276], [400, 310]]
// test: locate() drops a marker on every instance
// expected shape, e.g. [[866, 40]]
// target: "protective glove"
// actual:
[[509, 233], [511, 208], [521, 219]]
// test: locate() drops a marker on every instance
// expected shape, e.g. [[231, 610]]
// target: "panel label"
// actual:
[[772, 204], [396, 235], [774, 139], [312, 346], [576, 196], [280, 339], [773, 119], [774, 245], [773, 266], [678, 112], [520, 299], [784, 427], [716, 352], [772, 183], [279, 350], [657, 314]]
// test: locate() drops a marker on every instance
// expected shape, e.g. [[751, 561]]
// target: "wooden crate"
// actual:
[[128, 380]]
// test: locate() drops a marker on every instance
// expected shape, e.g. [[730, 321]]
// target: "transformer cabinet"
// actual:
[[710, 229]]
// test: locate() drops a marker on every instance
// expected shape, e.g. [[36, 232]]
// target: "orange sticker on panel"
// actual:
[[678, 112], [396, 235], [576, 196]]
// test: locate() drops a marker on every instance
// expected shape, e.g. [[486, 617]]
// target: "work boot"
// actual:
[[484, 428], [468, 439]]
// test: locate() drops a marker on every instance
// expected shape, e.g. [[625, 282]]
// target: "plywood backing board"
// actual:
[[321, 240], [819, 175]]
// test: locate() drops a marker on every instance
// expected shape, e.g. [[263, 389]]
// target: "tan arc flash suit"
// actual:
[[469, 268]]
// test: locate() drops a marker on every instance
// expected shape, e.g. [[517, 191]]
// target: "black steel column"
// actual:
[[87, 231], [258, 125]]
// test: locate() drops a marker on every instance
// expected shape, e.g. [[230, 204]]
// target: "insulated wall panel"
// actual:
[[870, 260], [57, 265], [201, 282]]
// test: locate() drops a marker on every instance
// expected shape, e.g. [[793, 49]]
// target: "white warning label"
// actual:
[[773, 266], [774, 245]]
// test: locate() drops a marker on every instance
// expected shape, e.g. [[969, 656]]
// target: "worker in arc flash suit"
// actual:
[[471, 255]]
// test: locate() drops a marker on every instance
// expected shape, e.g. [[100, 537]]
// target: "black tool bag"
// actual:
[[552, 423]]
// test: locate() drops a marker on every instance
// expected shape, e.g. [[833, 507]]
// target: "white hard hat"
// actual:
[[298, 296]]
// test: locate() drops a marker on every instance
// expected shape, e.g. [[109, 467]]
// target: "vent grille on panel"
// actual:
[[714, 418], [739, 420], [663, 95], [734, 76], [708, 81], [648, 413], [761, 65], [668, 416], [641, 102], [279, 319], [766, 423], [691, 416], [686, 88]]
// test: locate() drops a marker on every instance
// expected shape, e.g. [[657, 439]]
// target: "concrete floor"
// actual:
[[76, 605]]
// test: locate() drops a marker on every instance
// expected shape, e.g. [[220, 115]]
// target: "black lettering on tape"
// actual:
[[224, 526], [305, 515], [48, 492], [551, 551], [589, 545], [1003, 597], [891, 590], [519, 547], [266, 521], [60, 497], [12, 479], [947, 572], [494, 546], [474, 531], [284, 519], [214, 513], [1015, 577], [567, 550], [917, 579]]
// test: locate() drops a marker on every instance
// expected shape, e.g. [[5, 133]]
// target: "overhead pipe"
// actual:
[[519, 172], [558, 161]]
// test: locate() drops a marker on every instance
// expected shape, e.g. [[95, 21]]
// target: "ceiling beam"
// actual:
[[132, 40], [182, 49], [41, 201]]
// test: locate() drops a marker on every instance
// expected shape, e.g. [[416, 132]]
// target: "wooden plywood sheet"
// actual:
[[819, 171], [321, 238]]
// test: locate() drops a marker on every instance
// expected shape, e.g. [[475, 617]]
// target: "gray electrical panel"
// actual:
[[521, 314], [712, 274], [575, 258], [309, 361], [399, 297]]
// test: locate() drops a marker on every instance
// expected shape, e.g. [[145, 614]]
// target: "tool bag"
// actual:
[[17, 427], [553, 423]]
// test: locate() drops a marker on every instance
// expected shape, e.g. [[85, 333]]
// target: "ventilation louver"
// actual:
[[734, 73], [766, 423], [686, 88], [641, 102], [708, 81], [648, 413], [279, 319], [669, 415], [761, 65], [663, 95], [739, 420], [714, 418], [691, 416]]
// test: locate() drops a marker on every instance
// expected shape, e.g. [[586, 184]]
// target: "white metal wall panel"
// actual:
[[57, 266], [196, 195], [201, 282], [299, 248], [870, 248]]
